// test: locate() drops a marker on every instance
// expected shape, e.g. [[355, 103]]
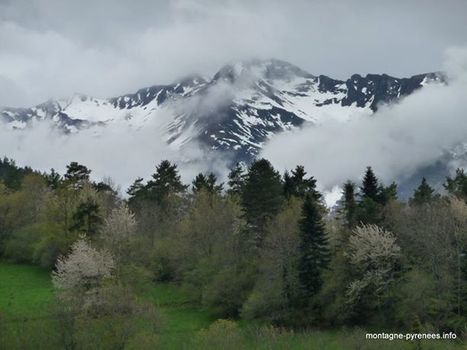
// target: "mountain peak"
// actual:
[[191, 80], [268, 69]]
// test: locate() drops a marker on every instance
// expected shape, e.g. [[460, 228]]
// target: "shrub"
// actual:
[[222, 334]]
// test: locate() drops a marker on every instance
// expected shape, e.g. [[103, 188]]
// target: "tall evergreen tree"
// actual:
[[314, 248], [370, 202], [289, 185], [262, 196], [457, 186], [165, 181], [387, 194], [207, 183], [349, 205], [77, 173], [298, 185], [370, 188], [236, 180], [87, 218], [423, 194], [136, 188], [53, 179], [200, 182]]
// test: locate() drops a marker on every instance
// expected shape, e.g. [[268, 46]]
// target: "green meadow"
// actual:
[[26, 297]]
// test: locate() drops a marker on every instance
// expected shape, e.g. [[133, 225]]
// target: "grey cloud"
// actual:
[[53, 48], [397, 141], [118, 153]]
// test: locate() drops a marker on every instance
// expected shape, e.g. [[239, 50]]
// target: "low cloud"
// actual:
[[396, 141], [117, 151]]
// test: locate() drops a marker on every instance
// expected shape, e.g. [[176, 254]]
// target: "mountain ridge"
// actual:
[[235, 112]]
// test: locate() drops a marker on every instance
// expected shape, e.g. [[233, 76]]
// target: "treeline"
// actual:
[[261, 246]]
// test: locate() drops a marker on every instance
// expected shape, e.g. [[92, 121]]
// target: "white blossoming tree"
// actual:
[[374, 254], [89, 296], [118, 229], [83, 269]]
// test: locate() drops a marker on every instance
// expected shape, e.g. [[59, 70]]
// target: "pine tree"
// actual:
[[87, 218], [206, 183], [199, 183], [165, 181], [457, 186], [370, 188], [314, 249], [369, 206], [53, 179], [289, 185], [262, 196], [136, 192], [304, 186], [77, 173], [136, 188], [103, 187], [349, 204], [423, 194], [236, 180], [387, 194], [298, 185], [212, 183]]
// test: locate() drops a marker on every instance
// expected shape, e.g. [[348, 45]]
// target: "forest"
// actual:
[[260, 251]]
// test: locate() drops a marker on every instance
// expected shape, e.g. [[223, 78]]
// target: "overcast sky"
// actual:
[[53, 48]]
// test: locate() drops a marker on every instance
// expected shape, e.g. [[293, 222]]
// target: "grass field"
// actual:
[[180, 319], [26, 293]]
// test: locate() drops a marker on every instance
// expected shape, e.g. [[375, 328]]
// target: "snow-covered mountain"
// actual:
[[236, 111]]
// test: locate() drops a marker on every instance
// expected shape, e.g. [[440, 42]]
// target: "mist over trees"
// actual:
[[261, 246]]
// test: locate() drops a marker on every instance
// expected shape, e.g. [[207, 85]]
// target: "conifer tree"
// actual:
[[165, 181], [370, 188], [87, 218], [298, 185], [314, 249], [303, 186], [199, 182], [212, 183], [236, 180], [11, 174], [77, 174], [386, 194], [262, 196], [207, 183], [423, 194], [53, 179], [457, 186], [369, 206], [288, 184], [136, 188], [104, 187], [349, 204]]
